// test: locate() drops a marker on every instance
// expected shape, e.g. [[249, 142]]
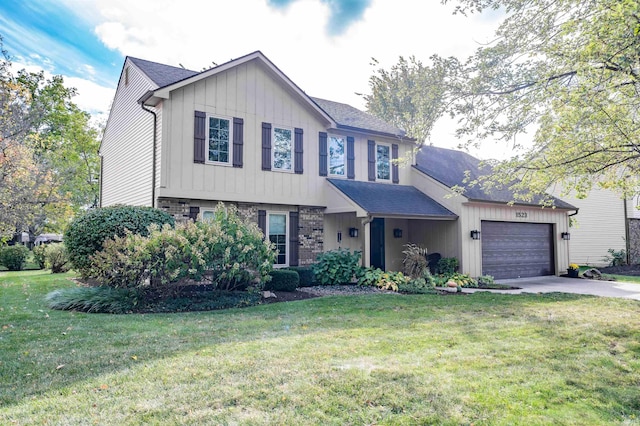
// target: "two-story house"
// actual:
[[314, 174]]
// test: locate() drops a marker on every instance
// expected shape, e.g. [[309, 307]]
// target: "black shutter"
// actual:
[[298, 152], [293, 238], [266, 146], [395, 175], [262, 221], [351, 158], [371, 159], [199, 130], [322, 138], [238, 141], [193, 213]]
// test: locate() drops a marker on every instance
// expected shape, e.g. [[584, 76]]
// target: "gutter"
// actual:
[[141, 101]]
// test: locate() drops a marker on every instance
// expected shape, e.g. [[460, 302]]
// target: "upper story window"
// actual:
[[383, 162], [337, 146], [282, 148], [219, 140]]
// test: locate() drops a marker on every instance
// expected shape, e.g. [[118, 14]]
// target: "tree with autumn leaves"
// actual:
[[49, 163]]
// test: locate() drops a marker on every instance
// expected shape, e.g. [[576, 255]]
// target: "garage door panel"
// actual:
[[514, 249]]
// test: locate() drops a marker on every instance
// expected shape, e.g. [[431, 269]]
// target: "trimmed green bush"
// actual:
[[337, 267], [307, 277], [283, 280], [447, 266], [13, 257], [39, 255], [86, 234]]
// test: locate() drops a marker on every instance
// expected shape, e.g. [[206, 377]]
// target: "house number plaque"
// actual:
[[522, 215]]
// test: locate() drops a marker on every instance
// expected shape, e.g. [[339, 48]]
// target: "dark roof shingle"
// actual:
[[387, 199], [161, 74], [350, 117], [450, 167]]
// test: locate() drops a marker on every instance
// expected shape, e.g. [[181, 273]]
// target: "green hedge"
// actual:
[[14, 257], [307, 277], [86, 234], [283, 280]]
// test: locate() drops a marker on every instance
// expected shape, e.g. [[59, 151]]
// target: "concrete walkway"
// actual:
[[552, 284]]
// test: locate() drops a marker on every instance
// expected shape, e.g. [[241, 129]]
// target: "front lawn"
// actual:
[[367, 359]]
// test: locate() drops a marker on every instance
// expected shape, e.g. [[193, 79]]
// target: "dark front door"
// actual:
[[377, 243], [517, 250]]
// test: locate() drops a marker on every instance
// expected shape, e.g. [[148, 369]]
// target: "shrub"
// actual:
[[93, 299], [415, 260], [283, 280], [616, 257], [337, 267], [485, 281], [447, 266], [39, 255], [383, 280], [224, 250], [86, 234], [417, 286], [14, 257], [56, 258], [462, 280], [307, 277]]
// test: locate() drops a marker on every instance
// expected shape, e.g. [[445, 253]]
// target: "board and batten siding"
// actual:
[[248, 91], [126, 147], [473, 213], [598, 226]]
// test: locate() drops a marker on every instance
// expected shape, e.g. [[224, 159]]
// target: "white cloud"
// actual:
[[194, 34]]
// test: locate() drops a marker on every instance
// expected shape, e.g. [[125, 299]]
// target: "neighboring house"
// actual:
[[606, 221], [315, 175]]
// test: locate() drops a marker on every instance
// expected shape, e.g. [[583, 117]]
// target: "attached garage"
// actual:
[[517, 249]]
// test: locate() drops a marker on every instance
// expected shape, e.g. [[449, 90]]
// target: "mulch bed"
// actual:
[[633, 270]]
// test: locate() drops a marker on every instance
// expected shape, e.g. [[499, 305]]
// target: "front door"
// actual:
[[377, 243]]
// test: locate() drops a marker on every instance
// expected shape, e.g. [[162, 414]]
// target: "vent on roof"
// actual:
[[126, 76]]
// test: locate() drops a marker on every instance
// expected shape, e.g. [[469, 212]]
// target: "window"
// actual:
[[277, 232], [207, 215], [219, 140], [282, 148], [383, 162], [336, 155]]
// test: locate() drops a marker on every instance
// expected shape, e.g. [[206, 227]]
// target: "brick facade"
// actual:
[[310, 226]]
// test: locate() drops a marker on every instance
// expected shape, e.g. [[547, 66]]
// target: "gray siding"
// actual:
[[127, 145]]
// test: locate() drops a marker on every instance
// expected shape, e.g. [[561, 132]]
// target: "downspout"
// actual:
[[154, 150]]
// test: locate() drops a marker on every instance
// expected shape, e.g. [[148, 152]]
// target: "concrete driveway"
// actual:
[[552, 284]]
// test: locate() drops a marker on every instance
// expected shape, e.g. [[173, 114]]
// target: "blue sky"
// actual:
[[324, 46]]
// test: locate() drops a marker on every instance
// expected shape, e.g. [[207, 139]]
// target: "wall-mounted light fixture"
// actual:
[[353, 232], [339, 236], [475, 234], [565, 236], [397, 233]]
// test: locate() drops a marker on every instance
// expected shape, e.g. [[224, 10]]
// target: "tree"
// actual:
[[410, 95], [569, 70], [48, 152]]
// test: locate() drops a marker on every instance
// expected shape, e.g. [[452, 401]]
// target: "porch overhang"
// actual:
[[368, 199]]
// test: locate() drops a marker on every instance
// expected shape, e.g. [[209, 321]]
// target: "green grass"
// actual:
[[486, 359]]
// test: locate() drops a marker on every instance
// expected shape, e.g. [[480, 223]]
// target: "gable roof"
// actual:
[[391, 200], [162, 74], [339, 115], [450, 167], [348, 117]]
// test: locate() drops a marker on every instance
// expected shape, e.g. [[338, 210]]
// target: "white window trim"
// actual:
[[273, 148], [344, 159], [203, 211], [286, 230], [390, 161], [206, 145]]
